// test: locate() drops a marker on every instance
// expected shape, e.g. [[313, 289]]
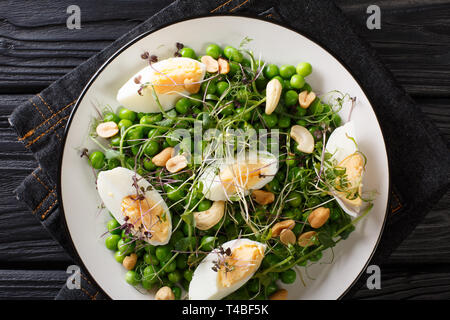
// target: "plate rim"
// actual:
[[194, 17]]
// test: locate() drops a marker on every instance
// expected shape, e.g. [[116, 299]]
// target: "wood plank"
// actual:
[[396, 283], [38, 50], [31, 284]]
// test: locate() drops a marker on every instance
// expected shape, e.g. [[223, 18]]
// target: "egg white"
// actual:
[[341, 144], [212, 185], [129, 97], [204, 284], [116, 184]]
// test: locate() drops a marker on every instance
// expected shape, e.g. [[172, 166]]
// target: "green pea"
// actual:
[[113, 163], [186, 229], [204, 205], [316, 257], [195, 100], [273, 186], [150, 258], [163, 253], [212, 87], [213, 50], [97, 159], [124, 124], [150, 275], [183, 105], [234, 68], [297, 81], [149, 165], [246, 116], [270, 120], [208, 243], [115, 141], [174, 276], [287, 71], [169, 267], [126, 114], [119, 256], [188, 53], [151, 148], [228, 110], [176, 292], [271, 288], [150, 249], [270, 71], [284, 122], [287, 84], [134, 136], [291, 97], [112, 241], [125, 246], [294, 199], [288, 276], [114, 227], [187, 274], [222, 86], [172, 141], [233, 54], [304, 69], [111, 116], [131, 277], [176, 194], [181, 262]]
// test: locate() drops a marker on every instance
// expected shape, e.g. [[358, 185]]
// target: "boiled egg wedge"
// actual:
[[343, 147], [220, 274], [170, 78], [146, 211], [239, 175]]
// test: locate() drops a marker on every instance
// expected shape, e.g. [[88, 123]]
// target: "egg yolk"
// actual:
[[177, 75], [242, 176], [146, 215], [244, 260], [354, 166]]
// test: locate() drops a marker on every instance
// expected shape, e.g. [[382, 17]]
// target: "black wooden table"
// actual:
[[36, 48]]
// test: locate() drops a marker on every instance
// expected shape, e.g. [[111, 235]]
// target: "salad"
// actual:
[[225, 176]]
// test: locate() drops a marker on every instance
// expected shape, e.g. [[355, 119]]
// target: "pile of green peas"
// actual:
[[158, 265]]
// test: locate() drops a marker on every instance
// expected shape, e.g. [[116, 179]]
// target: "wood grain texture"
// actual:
[[36, 48]]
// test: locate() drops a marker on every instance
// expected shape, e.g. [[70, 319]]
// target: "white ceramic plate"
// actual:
[[276, 44]]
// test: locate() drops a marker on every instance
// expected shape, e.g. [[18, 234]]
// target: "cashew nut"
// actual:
[[279, 226], [107, 129], [165, 293], [318, 217], [273, 94], [224, 66], [191, 86], [307, 239], [304, 138], [287, 237], [205, 220], [212, 66], [129, 262], [176, 163], [305, 99], [279, 295], [263, 197], [161, 158]]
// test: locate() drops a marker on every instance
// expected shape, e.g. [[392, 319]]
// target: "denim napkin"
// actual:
[[419, 158]]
